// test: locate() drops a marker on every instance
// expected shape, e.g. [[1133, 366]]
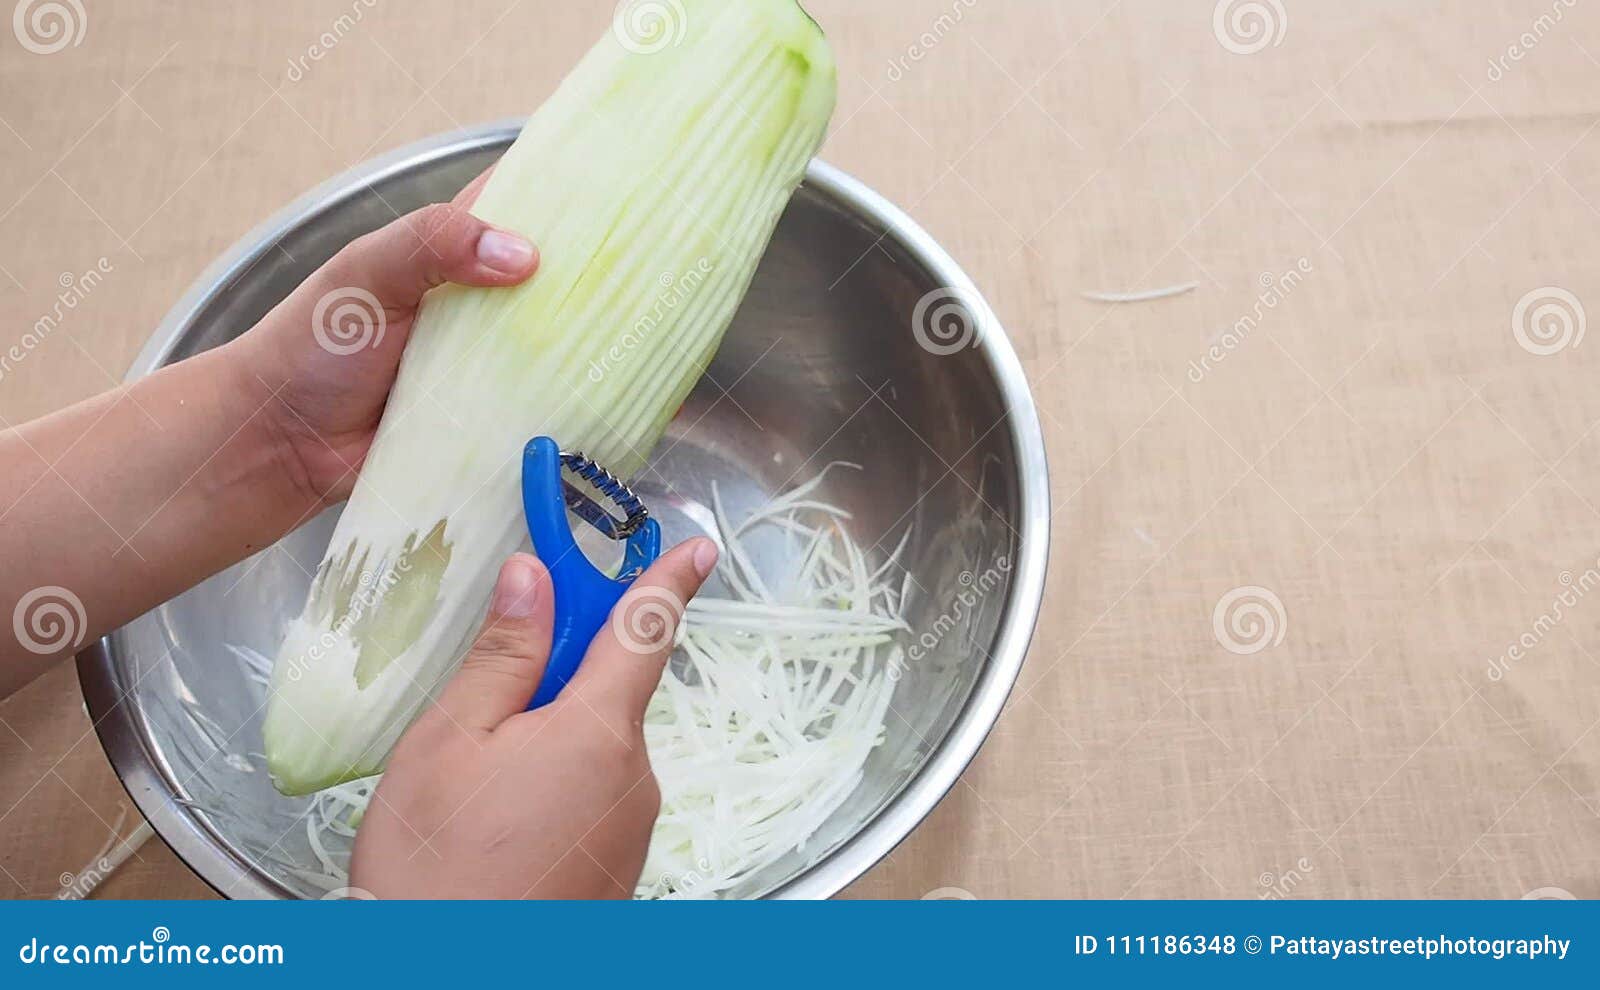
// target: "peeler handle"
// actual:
[[584, 597]]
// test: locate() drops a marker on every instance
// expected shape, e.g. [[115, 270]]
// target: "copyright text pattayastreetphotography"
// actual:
[[1327, 948], [1427, 948]]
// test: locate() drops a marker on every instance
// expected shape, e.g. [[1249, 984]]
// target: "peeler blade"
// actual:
[[607, 484]]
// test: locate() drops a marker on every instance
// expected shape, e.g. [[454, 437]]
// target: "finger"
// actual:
[[501, 671], [624, 664], [440, 243]]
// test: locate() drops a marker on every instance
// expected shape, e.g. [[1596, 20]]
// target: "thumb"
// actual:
[[624, 663], [441, 243], [502, 670]]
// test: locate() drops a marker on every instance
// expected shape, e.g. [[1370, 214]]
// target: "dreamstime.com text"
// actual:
[[160, 950]]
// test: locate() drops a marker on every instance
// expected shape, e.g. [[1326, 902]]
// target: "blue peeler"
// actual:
[[584, 596]]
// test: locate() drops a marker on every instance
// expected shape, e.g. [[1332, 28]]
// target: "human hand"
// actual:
[[326, 357], [485, 800]]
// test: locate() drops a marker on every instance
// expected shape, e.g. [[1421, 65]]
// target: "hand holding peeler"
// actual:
[[584, 597]]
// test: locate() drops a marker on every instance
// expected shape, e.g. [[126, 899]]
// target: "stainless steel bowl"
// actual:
[[861, 341]]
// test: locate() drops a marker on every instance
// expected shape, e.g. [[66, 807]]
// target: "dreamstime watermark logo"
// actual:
[[675, 291], [48, 620], [76, 886], [1274, 290], [945, 321], [369, 591], [349, 894], [1277, 886], [1530, 39], [646, 619], [950, 894], [648, 26], [45, 27], [1549, 894], [327, 41], [348, 320], [974, 588], [75, 288], [1248, 620], [1549, 320], [117, 849], [681, 884], [1573, 590], [930, 39], [1245, 27]]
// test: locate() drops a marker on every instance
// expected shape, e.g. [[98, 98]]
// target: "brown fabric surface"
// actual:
[[1376, 451]]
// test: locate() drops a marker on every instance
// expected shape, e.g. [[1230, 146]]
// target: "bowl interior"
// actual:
[[821, 365]]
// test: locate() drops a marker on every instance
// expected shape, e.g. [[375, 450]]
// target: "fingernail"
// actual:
[[505, 252], [705, 558], [517, 591]]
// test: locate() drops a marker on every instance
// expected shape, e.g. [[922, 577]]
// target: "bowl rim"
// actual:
[[125, 737]]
